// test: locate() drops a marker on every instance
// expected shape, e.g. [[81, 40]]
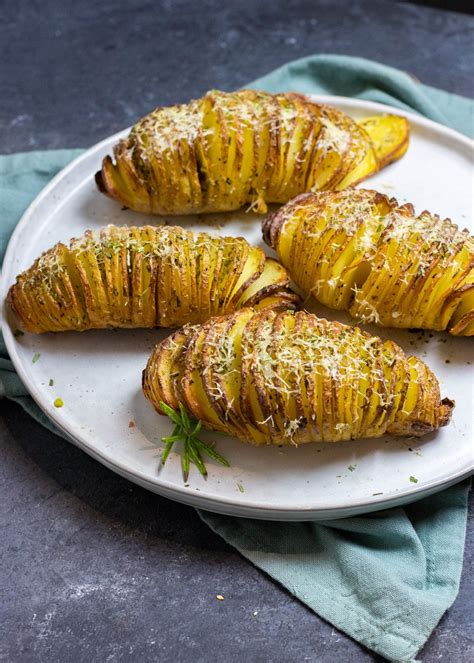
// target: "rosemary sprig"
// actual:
[[187, 429]]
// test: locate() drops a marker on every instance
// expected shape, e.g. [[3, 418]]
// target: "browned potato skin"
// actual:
[[360, 251], [277, 385], [145, 277], [227, 150]]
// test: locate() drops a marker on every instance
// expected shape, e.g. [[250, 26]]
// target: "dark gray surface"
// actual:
[[92, 567], [78, 71]]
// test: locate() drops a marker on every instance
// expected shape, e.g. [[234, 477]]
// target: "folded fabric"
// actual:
[[365, 79], [386, 578]]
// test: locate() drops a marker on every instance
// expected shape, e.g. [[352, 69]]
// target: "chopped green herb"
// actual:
[[36, 356], [51, 382], [413, 479], [17, 333], [351, 468], [240, 487], [58, 402], [377, 494]]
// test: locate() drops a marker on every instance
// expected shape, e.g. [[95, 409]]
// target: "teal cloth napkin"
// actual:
[[386, 578]]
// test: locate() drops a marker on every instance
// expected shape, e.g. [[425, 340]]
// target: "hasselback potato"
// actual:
[[286, 377], [359, 251], [145, 277], [227, 150]]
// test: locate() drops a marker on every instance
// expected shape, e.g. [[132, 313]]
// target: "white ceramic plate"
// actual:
[[98, 373]]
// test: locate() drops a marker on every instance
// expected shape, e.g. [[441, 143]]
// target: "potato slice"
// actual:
[[159, 375], [273, 276], [191, 384], [251, 273], [463, 316], [95, 295], [366, 167], [221, 372], [389, 134], [333, 145]]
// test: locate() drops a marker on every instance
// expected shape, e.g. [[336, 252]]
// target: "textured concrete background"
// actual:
[[93, 568]]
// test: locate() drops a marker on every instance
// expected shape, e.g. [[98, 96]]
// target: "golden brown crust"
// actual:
[[292, 378], [145, 277], [227, 150], [360, 251]]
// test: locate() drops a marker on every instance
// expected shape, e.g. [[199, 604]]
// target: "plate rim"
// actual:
[[217, 504]]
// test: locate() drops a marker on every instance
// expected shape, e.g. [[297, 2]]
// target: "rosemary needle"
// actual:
[[186, 429], [185, 459]]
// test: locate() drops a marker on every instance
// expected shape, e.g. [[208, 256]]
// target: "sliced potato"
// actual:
[[145, 277], [227, 150], [359, 251], [292, 378]]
